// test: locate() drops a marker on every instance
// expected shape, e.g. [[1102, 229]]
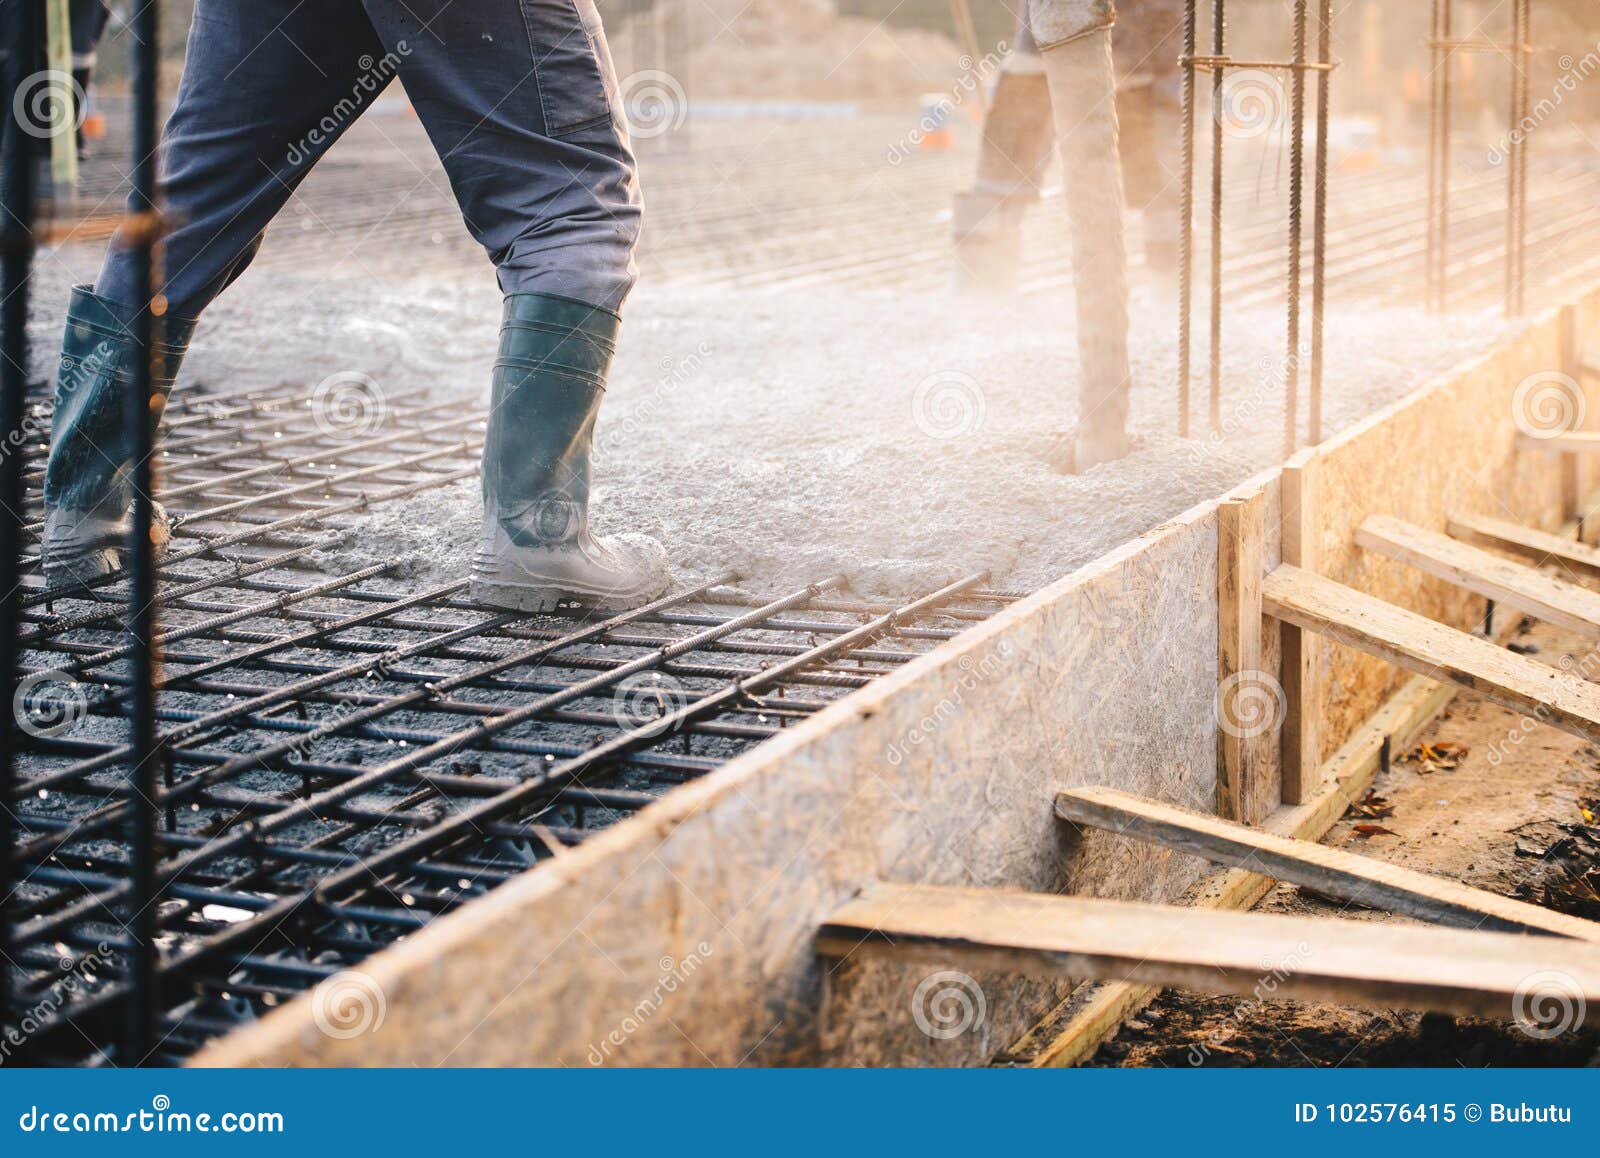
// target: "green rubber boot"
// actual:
[[536, 550], [87, 484]]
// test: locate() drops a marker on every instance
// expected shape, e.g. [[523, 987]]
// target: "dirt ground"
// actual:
[[1491, 805]]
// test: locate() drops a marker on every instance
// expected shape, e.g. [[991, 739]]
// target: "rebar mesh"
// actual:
[[343, 759]]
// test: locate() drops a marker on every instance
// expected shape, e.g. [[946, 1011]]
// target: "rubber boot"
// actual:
[[88, 484], [1082, 87], [536, 550]]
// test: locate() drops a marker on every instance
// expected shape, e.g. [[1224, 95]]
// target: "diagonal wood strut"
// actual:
[[1435, 650], [1346, 875], [1567, 605]]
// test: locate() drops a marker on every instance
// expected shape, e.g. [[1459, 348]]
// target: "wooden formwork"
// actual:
[[687, 934]]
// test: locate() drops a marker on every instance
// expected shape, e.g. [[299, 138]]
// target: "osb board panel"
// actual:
[[1451, 447], [942, 773]]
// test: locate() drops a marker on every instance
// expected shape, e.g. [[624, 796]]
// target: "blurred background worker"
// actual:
[[1148, 43], [1056, 88], [76, 57], [520, 102], [88, 19]]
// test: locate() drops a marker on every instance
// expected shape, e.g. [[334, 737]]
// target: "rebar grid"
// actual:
[[1298, 68], [338, 762], [335, 760]]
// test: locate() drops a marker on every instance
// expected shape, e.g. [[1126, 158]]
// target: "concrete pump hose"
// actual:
[[1082, 83]]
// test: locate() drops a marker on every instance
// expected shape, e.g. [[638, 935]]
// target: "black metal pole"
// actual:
[[1297, 181], [1319, 218], [1219, 46], [21, 36], [1186, 222], [142, 1012]]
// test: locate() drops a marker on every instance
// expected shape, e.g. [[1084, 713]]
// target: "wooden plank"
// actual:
[[1349, 876], [1350, 962], [1540, 546], [1419, 644], [1567, 605], [1301, 738], [1242, 732]]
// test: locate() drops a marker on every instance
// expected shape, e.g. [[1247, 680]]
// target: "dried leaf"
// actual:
[[1443, 756], [1372, 806], [1371, 830]]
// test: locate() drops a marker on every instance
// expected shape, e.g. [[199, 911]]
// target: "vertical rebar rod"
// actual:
[[1297, 180], [16, 262], [1516, 162], [1513, 150], [1439, 155], [141, 1016], [1524, 59], [1319, 218], [1186, 222], [1431, 250], [1219, 46]]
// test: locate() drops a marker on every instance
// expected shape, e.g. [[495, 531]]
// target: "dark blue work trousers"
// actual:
[[519, 98]]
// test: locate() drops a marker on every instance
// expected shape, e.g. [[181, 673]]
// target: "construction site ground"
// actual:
[[800, 393]]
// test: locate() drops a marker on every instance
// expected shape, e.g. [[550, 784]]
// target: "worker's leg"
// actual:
[[1013, 162], [1082, 91], [266, 88], [521, 103], [1147, 44]]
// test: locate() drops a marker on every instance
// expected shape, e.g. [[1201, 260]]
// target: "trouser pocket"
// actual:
[[568, 46]]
